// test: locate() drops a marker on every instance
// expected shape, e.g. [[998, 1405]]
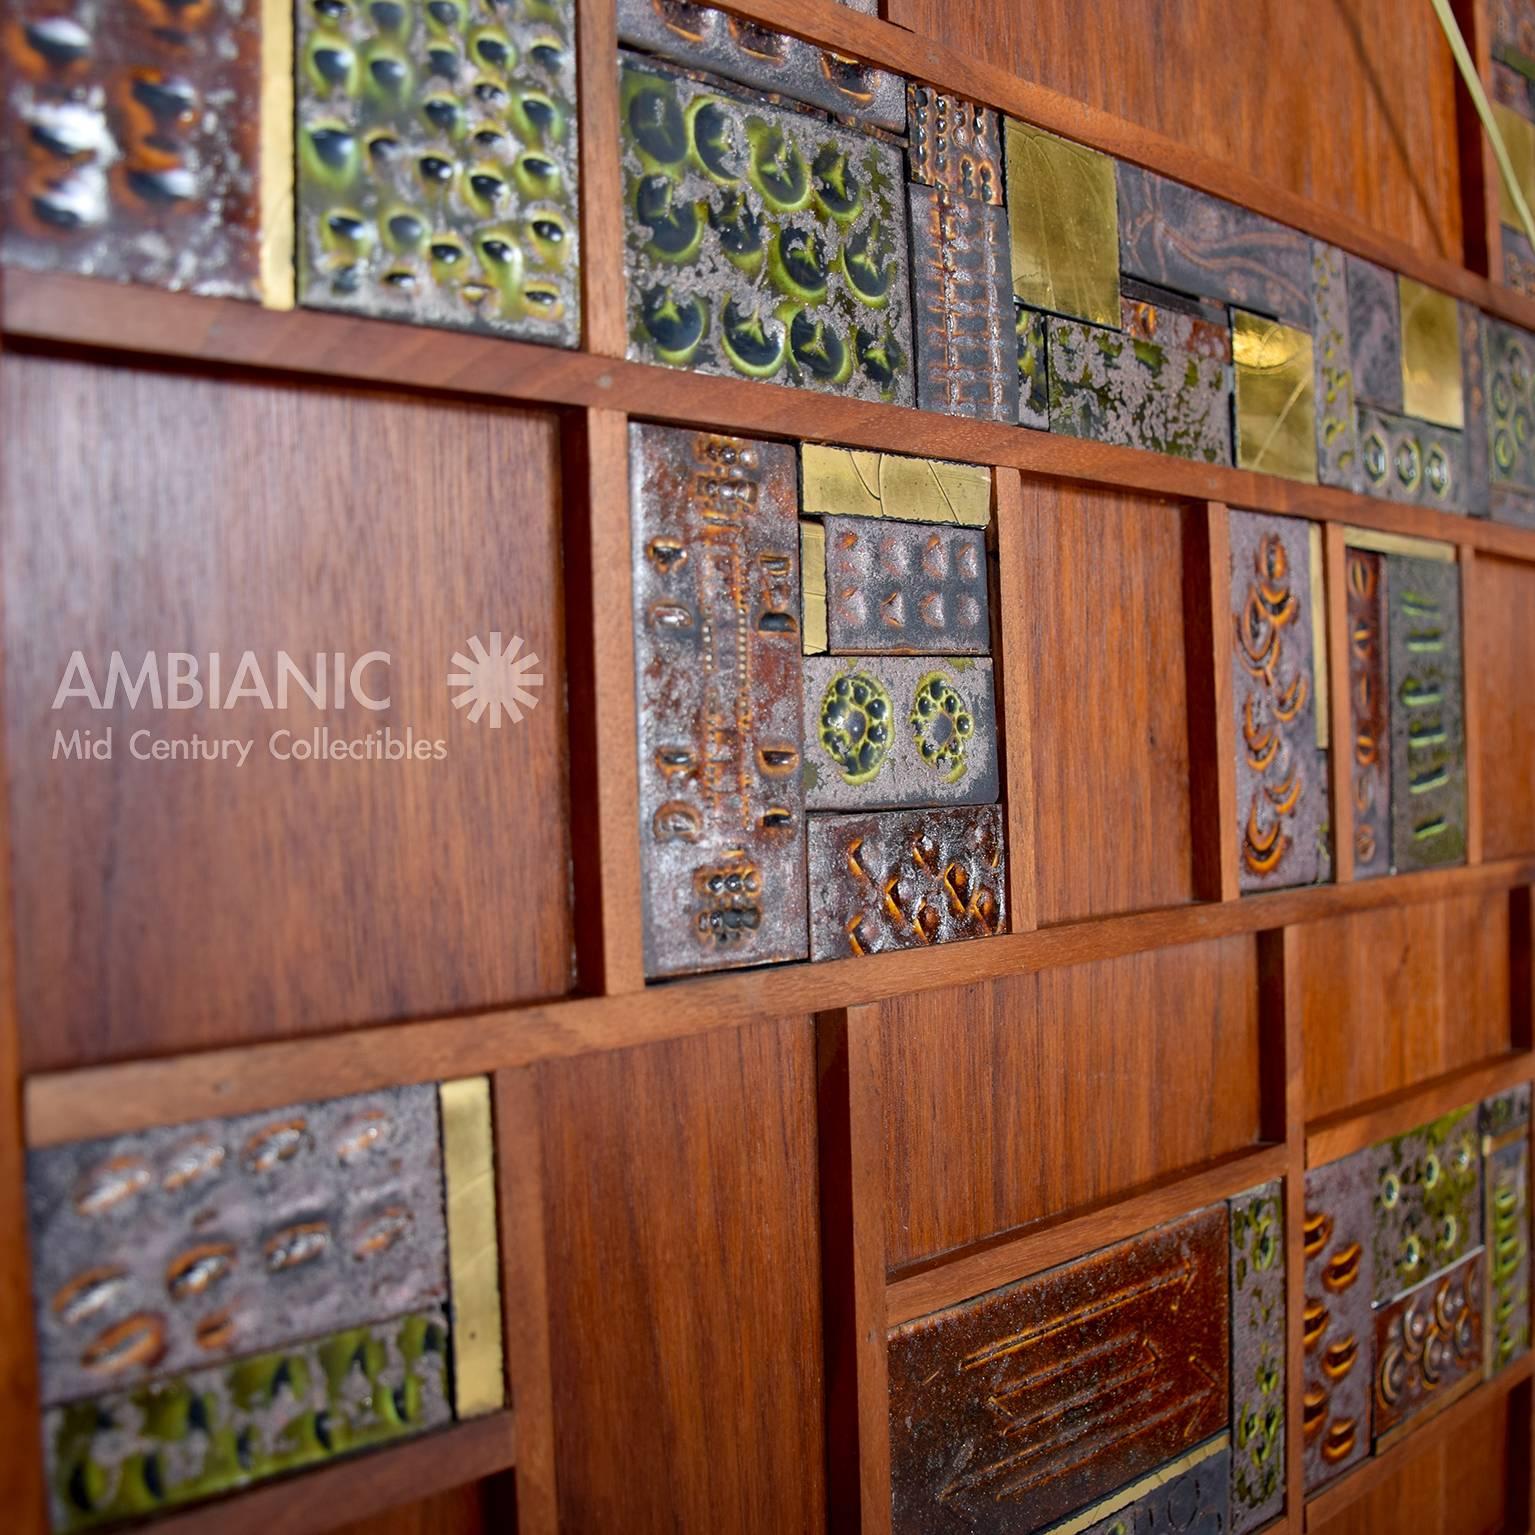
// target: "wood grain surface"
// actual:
[[1499, 616]]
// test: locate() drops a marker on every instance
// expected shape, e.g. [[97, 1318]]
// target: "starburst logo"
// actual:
[[496, 680]]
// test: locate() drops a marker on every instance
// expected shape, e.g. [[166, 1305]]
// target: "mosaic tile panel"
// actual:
[[1109, 387], [169, 1249], [899, 731], [858, 483], [762, 242], [1026, 1404], [1275, 374], [1412, 462], [196, 1434], [719, 684], [1033, 368], [141, 135], [1369, 711], [1375, 333], [1257, 1357], [437, 164], [1337, 1326], [886, 881], [905, 588], [1187, 1497], [1281, 775], [700, 37], [1506, 1214], [1477, 437], [954, 145], [962, 307], [1428, 1346], [1428, 749], [1187, 240], [1337, 426], [1428, 1202]]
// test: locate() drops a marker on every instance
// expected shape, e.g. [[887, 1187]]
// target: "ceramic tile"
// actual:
[[1369, 716], [1476, 436], [1337, 426], [1257, 1357], [1428, 1347], [1428, 1202], [1506, 1213], [1375, 334], [1033, 368], [955, 145], [1189, 1495], [1412, 462]]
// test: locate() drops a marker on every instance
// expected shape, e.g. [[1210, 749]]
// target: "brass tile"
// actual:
[[812, 577], [1063, 209], [1431, 380], [474, 1255], [1519, 139], [1321, 691], [1276, 397], [1399, 543], [858, 483], [277, 285]]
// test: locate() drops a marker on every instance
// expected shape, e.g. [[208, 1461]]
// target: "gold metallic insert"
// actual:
[[857, 483], [1399, 543], [1519, 139], [474, 1255], [276, 170], [812, 578], [1492, 1143], [1321, 691], [1431, 381], [1138, 1490], [1063, 212], [1276, 397]]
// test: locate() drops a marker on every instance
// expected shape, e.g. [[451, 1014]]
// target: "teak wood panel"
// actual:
[[1390, 998], [1499, 607], [1103, 617], [163, 906], [1009, 1102], [685, 1327], [1350, 103]]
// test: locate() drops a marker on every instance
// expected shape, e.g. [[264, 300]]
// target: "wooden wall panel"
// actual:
[[1500, 658], [1103, 579], [681, 1201], [167, 905], [1040, 1093], [1349, 102], [1395, 996], [463, 1511]]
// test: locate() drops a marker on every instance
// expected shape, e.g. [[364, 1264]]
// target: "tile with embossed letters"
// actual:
[[200, 1432], [1428, 747], [1280, 771], [1033, 368], [953, 144], [1431, 365], [1506, 1226], [962, 307], [860, 483], [1337, 1325], [908, 588], [133, 137], [170, 1249], [700, 37], [1375, 333], [1369, 712], [1188, 1496], [717, 660], [1275, 385], [905, 880], [1428, 1201], [1187, 240], [1337, 424], [1428, 1347], [1257, 1357], [899, 731], [437, 163], [1013, 1410], [1411, 461]]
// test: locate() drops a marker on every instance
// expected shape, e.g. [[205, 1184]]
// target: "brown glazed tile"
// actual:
[[890, 880], [954, 145], [1369, 706], [1428, 1346], [717, 657], [133, 139], [1009, 1411]]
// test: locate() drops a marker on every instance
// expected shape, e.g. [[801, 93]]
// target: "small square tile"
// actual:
[[1431, 370]]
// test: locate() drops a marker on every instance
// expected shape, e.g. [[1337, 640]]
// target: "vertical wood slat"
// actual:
[[1340, 755], [525, 1296], [604, 324], [1471, 715], [604, 772], [1481, 191], [1212, 729], [1015, 699]]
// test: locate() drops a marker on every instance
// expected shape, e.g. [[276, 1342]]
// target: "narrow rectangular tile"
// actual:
[[1428, 1347], [955, 144], [1257, 1357], [1428, 753], [719, 687], [1474, 377], [170, 1249], [962, 307], [437, 165], [1506, 1213], [1281, 774], [1149, 313], [1375, 333], [1337, 425], [1369, 702], [1023, 1406], [1337, 1329], [887, 880], [1431, 367], [859, 483], [812, 583], [899, 731], [1511, 406], [1412, 462], [1064, 223], [1033, 368], [1428, 1202], [1275, 397], [762, 242], [1185, 239], [905, 588], [1189, 1495]]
